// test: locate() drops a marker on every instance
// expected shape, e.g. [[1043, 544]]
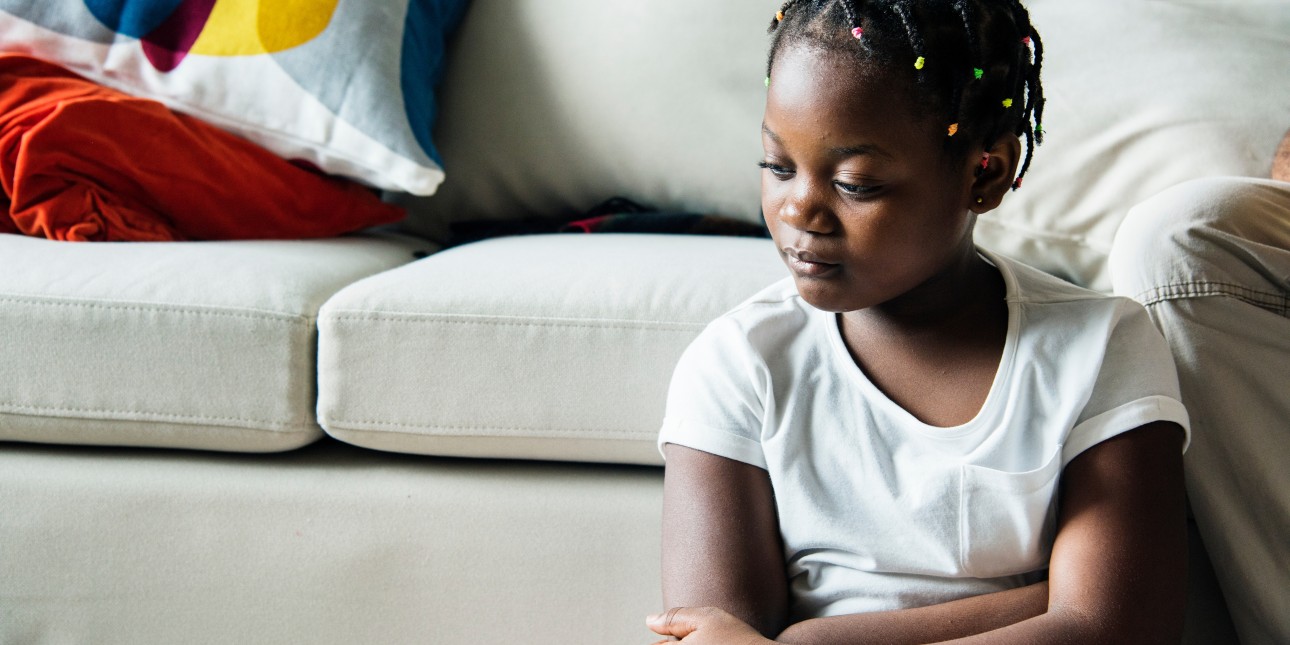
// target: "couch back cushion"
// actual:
[[551, 106]]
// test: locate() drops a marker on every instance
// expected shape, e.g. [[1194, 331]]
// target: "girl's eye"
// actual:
[[775, 169], [856, 189]]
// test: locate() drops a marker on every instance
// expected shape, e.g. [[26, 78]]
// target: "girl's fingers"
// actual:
[[677, 622]]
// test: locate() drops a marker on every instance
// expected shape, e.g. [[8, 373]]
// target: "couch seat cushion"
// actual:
[[188, 345], [539, 347]]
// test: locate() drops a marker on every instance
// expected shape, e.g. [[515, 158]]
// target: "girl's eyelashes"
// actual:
[[856, 190], [779, 171], [784, 173]]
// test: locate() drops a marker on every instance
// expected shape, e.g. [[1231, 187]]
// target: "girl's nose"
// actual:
[[805, 210]]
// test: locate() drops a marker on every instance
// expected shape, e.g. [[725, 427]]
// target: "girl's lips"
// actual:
[[807, 264]]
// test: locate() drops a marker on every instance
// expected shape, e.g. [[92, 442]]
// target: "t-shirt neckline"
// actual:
[[998, 387]]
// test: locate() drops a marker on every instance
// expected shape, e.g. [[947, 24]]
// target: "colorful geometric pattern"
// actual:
[[338, 52], [171, 29]]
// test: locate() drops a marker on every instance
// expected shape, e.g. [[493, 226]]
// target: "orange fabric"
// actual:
[[82, 162]]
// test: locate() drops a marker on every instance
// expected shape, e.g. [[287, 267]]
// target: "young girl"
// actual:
[[913, 439]]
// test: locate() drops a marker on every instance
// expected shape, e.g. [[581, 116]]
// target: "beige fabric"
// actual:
[[551, 106], [198, 345], [325, 545], [539, 347]]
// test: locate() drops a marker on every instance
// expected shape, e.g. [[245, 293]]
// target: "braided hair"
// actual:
[[973, 63]]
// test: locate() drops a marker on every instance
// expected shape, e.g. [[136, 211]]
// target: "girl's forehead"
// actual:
[[820, 96], [811, 77]]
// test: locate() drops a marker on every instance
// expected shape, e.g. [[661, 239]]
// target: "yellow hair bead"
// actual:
[[954, 129], [918, 64], [779, 16], [1007, 103]]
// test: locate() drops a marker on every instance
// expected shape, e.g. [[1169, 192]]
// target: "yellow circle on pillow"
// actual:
[[251, 27]]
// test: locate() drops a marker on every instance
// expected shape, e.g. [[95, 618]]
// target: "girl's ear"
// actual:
[[996, 167]]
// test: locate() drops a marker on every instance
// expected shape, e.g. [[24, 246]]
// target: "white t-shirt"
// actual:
[[880, 511]]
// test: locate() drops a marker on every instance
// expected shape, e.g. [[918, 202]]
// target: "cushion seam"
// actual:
[[471, 431], [135, 415], [145, 307], [586, 323]]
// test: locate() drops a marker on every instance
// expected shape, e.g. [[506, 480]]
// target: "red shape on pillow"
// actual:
[[82, 162]]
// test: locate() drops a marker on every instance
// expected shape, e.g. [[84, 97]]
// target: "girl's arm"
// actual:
[[1117, 572], [721, 545], [1119, 565]]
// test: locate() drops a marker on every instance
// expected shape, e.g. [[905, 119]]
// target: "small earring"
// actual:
[[985, 160], [980, 200]]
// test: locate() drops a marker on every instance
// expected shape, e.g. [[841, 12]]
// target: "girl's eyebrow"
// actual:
[[860, 150], [840, 152]]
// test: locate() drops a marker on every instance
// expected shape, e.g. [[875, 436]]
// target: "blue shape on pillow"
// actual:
[[134, 18], [379, 82], [425, 35]]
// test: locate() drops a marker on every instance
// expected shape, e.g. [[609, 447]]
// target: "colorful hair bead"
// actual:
[[858, 33], [1007, 103], [1016, 184], [918, 64], [1039, 128], [977, 73], [954, 129], [767, 81], [779, 16], [1026, 39]]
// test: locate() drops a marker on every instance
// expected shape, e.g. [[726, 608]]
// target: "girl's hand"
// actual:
[[704, 626]]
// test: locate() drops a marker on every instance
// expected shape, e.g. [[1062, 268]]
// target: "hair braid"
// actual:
[[783, 11], [904, 11], [1030, 124], [852, 12], [1036, 88], [968, 18]]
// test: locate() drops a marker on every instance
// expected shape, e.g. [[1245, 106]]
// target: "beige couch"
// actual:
[[328, 442]]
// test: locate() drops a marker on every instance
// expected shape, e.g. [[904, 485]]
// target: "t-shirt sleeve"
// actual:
[[715, 402], [1137, 384]]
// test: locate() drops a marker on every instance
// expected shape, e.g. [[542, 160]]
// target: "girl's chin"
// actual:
[[827, 297]]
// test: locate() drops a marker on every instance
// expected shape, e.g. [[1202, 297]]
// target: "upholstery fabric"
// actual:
[[328, 545], [537, 347], [347, 85], [192, 345], [1141, 96]]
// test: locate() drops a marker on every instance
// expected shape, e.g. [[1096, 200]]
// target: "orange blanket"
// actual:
[[82, 162]]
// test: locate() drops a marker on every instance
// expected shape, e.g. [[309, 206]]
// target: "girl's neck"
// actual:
[[966, 290]]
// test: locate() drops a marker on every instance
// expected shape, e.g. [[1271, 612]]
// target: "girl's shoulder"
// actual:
[[1043, 296], [1030, 285], [765, 323], [778, 306]]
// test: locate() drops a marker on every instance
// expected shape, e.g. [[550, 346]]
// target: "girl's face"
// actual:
[[856, 189]]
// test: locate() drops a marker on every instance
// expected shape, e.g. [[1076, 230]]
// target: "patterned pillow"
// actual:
[[347, 85]]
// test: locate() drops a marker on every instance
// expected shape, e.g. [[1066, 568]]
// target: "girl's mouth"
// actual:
[[807, 264]]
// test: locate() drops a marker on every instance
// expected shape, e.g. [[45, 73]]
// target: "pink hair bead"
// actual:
[[857, 32]]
